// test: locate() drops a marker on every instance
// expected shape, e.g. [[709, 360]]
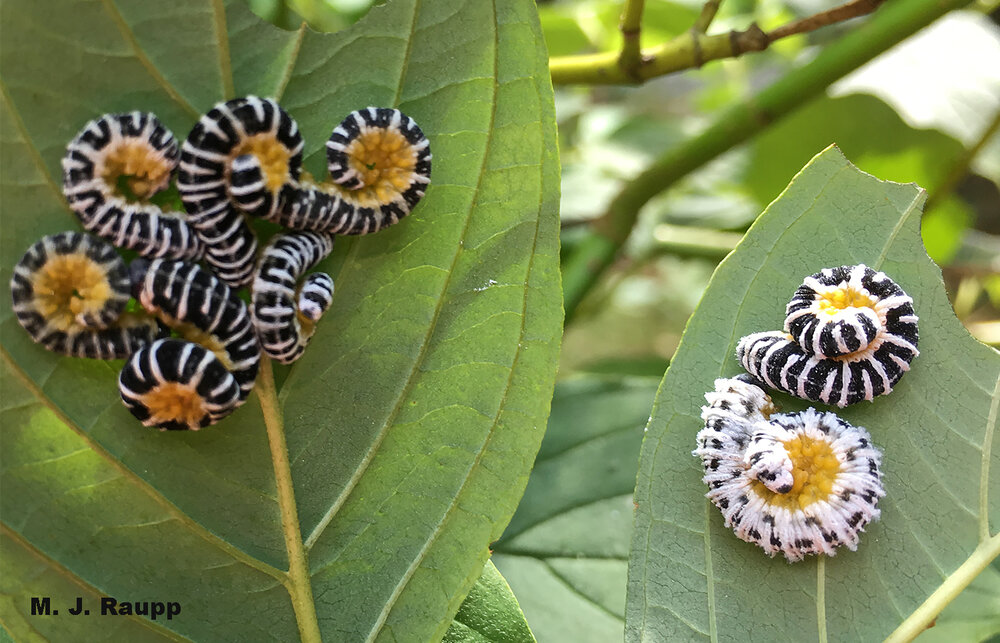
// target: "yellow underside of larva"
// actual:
[[145, 170], [814, 468], [273, 157], [838, 299], [386, 162], [68, 285], [172, 401]]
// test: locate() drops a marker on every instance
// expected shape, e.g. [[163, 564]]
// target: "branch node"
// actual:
[[699, 56], [751, 39]]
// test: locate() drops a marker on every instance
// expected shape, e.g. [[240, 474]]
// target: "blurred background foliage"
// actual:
[[927, 111]]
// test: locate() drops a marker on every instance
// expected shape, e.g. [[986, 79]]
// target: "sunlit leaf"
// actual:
[[489, 614], [411, 422]]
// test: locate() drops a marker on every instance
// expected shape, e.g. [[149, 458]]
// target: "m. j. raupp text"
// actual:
[[42, 606]]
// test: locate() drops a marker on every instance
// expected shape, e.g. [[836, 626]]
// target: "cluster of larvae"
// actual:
[[809, 482], [192, 346]]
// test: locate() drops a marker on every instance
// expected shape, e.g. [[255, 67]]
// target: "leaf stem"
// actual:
[[821, 599], [299, 583], [984, 476], [590, 259], [923, 616]]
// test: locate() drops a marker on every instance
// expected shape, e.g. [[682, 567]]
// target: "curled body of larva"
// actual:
[[839, 311], [250, 125], [850, 334], [380, 165], [195, 381], [285, 314], [796, 484], [69, 291], [205, 310], [140, 152]]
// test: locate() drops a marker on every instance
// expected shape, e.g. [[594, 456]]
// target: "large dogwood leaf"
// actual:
[[690, 578], [360, 504]]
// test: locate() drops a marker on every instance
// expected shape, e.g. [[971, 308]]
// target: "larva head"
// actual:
[[384, 160], [271, 154], [814, 467]]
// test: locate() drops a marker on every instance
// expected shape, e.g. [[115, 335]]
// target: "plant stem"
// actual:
[[844, 12], [952, 586], [691, 49], [708, 11], [299, 584], [630, 57], [586, 262]]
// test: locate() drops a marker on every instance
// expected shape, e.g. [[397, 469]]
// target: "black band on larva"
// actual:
[[230, 129], [795, 484], [284, 317], [380, 163], [139, 149], [69, 291], [203, 309], [851, 333]]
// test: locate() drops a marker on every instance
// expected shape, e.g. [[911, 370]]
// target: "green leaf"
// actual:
[[689, 576], [565, 551], [489, 614], [410, 425]]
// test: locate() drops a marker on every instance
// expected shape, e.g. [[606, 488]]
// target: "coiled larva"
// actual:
[[250, 125], [285, 316], [69, 292], [137, 151], [380, 164], [850, 334], [795, 484], [165, 385]]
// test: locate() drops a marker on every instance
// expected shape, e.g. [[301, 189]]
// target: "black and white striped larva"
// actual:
[[850, 334], [111, 169], [177, 383], [795, 484], [69, 291], [380, 164], [284, 314], [242, 126]]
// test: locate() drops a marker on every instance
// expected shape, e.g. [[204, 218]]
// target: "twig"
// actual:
[[844, 12], [687, 51], [591, 257], [630, 58], [707, 15]]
